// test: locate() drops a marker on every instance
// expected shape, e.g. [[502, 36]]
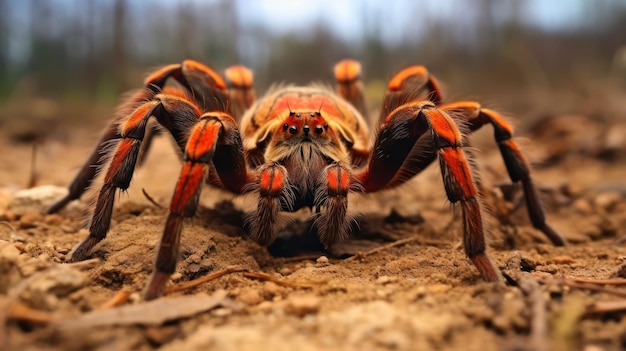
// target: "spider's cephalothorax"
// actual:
[[295, 147]]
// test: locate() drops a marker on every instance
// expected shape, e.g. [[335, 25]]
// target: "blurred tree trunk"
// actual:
[[4, 37], [186, 30], [120, 33]]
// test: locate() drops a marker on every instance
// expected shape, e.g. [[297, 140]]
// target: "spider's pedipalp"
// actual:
[[332, 194]]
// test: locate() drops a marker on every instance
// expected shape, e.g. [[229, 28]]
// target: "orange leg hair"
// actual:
[[411, 137], [205, 144], [516, 165]]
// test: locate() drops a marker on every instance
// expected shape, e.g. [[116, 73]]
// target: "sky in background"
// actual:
[[388, 18], [288, 16]]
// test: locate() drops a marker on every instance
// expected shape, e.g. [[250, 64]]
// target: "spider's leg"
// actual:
[[516, 164], [411, 84], [199, 79], [206, 86], [214, 139], [411, 137], [166, 108], [350, 84], [152, 131], [109, 138], [332, 194], [239, 80]]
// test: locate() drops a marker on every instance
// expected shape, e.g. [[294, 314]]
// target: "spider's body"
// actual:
[[296, 147]]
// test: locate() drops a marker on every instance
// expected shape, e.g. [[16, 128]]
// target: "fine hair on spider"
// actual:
[[297, 147]]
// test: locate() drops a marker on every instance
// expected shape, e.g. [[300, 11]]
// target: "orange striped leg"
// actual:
[[516, 164], [205, 140], [411, 84], [395, 159], [88, 171], [332, 194], [202, 81], [240, 80], [350, 84], [124, 158]]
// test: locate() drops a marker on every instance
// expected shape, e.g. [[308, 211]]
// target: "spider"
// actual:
[[295, 147]]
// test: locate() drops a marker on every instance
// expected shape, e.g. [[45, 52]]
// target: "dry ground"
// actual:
[[419, 294]]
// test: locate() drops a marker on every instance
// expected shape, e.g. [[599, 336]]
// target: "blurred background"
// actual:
[[68, 61]]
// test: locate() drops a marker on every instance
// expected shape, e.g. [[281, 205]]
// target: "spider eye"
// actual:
[[285, 126], [319, 129], [293, 130], [325, 126]]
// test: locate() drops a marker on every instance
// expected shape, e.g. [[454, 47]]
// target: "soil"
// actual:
[[418, 291]]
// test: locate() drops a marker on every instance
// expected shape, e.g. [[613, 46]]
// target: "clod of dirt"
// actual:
[[302, 305], [30, 220], [46, 291], [10, 260], [250, 297], [5, 199], [36, 200], [608, 200], [621, 271]]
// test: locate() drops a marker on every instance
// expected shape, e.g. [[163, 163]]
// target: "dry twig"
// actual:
[[207, 278], [586, 286], [119, 299], [606, 307], [22, 312], [395, 244]]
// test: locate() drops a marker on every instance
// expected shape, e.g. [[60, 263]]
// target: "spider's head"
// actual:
[[304, 126]]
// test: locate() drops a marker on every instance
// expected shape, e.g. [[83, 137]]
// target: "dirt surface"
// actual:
[[420, 293]]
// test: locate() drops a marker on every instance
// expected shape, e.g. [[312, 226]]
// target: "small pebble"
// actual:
[[583, 206], [285, 271], [550, 268], [301, 305], [271, 289], [53, 219], [250, 296], [563, 260], [30, 220], [322, 260], [607, 200]]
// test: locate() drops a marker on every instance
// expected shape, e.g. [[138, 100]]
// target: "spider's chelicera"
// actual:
[[295, 147]]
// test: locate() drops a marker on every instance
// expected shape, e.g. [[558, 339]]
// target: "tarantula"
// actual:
[[296, 147]]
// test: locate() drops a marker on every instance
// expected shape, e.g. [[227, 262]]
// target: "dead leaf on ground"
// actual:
[[149, 313]]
